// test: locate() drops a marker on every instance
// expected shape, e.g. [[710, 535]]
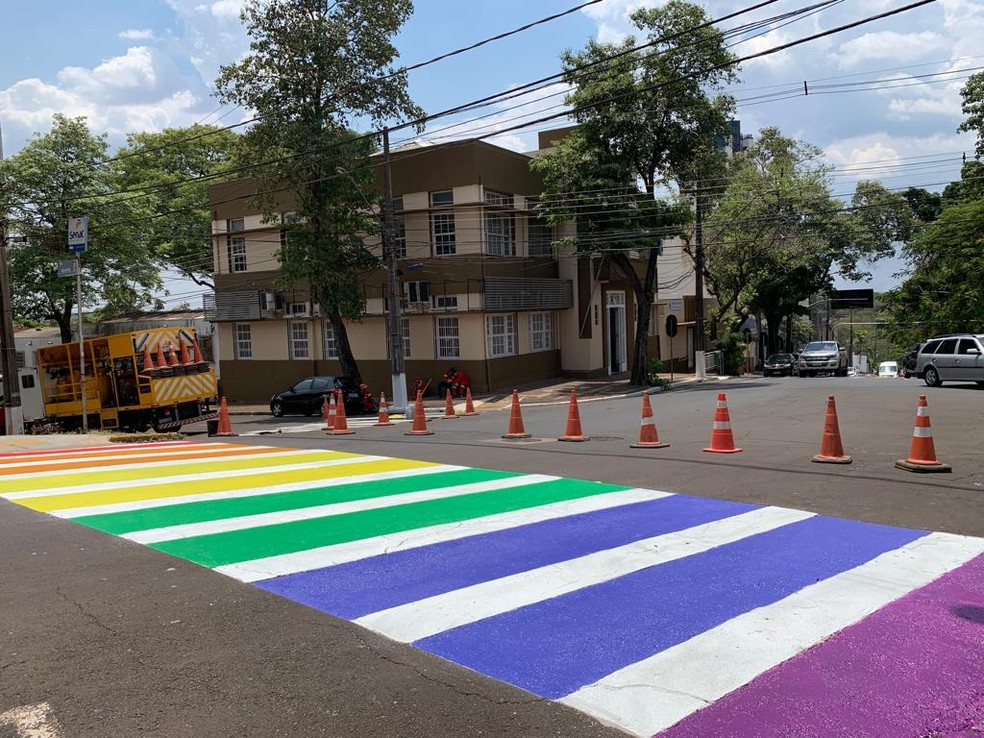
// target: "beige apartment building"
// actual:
[[484, 287]]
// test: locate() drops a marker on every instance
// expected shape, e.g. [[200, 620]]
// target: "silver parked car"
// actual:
[[958, 357], [822, 357]]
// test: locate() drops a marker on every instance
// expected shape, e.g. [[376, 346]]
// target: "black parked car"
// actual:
[[307, 396], [778, 364]]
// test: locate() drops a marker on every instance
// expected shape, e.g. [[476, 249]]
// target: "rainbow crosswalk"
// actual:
[[652, 611]]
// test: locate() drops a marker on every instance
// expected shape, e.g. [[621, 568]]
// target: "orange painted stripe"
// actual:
[[222, 452]]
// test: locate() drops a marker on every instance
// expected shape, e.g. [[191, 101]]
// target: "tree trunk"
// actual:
[[774, 321], [644, 292], [789, 333], [64, 320], [345, 357]]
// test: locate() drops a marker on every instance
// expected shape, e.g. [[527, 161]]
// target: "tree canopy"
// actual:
[[59, 175], [644, 116], [314, 71]]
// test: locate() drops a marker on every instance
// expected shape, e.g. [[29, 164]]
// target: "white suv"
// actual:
[[958, 357]]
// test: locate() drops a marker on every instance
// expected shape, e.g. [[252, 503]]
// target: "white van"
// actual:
[[888, 369]]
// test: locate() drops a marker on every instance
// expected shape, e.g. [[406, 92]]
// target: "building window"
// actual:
[[442, 234], [399, 229], [329, 349], [540, 237], [446, 302], [237, 254], [416, 292], [300, 344], [244, 341], [441, 197], [541, 331], [498, 198], [501, 334], [234, 225], [500, 234], [448, 346]]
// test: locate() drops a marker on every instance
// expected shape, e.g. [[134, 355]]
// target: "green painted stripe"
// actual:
[[273, 540], [208, 510]]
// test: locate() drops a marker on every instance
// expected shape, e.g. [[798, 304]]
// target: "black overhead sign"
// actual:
[[846, 299]]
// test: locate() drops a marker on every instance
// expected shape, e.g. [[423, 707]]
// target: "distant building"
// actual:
[[29, 340]]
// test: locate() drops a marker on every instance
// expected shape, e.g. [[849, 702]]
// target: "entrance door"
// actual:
[[615, 315]]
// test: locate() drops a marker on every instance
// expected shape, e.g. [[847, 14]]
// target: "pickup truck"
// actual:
[[822, 357]]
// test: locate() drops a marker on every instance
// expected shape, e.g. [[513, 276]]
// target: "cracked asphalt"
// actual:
[[122, 640]]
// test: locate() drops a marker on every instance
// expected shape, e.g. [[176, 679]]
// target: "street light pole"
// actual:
[[397, 361], [699, 361]]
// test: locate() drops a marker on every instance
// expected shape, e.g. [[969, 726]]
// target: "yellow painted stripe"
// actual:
[[201, 486], [162, 469]]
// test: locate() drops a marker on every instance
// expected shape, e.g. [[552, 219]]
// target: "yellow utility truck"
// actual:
[[150, 378]]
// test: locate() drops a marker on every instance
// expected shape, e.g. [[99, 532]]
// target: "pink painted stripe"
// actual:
[[913, 668]]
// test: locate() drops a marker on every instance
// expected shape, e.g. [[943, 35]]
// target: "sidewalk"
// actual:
[[552, 392]]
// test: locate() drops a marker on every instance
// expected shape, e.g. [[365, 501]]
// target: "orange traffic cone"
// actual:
[[419, 427], [831, 449], [328, 412], [449, 412], [161, 359], [384, 415], [469, 403], [722, 442], [172, 358], [340, 427], [185, 357], [148, 360], [516, 429], [225, 425], [648, 437], [573, 432], [922, 452]]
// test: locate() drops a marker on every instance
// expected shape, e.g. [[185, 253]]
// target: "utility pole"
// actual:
[[12, 412], [699, 291], [397, 361], [78, 241]]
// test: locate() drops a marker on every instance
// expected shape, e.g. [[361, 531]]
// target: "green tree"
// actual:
[[57, 176], [314, 70], [643, 116], [973, 108], [172, 171]]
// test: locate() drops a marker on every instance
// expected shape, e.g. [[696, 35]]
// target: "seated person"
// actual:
[[461, 384], [447, 382]]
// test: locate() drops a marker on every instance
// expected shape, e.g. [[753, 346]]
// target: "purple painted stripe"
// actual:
[[555, 647], [913, 668], [380, 582]]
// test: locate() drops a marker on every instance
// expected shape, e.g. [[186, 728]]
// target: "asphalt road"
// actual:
[[123, 640]]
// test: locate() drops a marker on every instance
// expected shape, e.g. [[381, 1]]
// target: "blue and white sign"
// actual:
[[78, 234]]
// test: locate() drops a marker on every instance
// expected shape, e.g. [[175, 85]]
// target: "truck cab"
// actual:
[[822, 357]]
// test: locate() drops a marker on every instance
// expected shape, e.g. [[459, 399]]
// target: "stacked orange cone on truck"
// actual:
[[516, 429], [148, 360], [384, 416], [340, 426], [419, 427], [449, 412], [225, 425], [573, 431], [922, 451], [648, 435], [161, 359], [185, 356], [197, 352], [831, 448], [722, 441]]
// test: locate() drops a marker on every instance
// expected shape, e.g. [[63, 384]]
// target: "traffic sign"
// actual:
[[846, 299], [671, 325], [78, 234], [68, 267]]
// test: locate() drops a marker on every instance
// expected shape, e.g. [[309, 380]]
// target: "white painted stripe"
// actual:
[[252, 491], [315, 558], [191, 476], [162, 463], [657, 692], [158, 458], [210, 527], [926, 432], [436, 614]]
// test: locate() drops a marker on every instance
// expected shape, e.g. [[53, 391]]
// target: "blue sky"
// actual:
[[131, 65]]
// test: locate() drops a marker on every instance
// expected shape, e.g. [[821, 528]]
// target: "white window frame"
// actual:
[[447, 338], [237, 254], [500, 333], [235, 225], [443, 234], [329, 348], [299, 339], [500, 233], [439, 198], [534, 247], [243, 340], [399, 228], [445, 302], [501, 199], [541, 331]]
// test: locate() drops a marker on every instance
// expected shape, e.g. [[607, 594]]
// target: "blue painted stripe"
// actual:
[[358, 588], [557, 646]]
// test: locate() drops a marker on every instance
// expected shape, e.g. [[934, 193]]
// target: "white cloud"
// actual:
[[883, 46], [213, 34], [137, 34]]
